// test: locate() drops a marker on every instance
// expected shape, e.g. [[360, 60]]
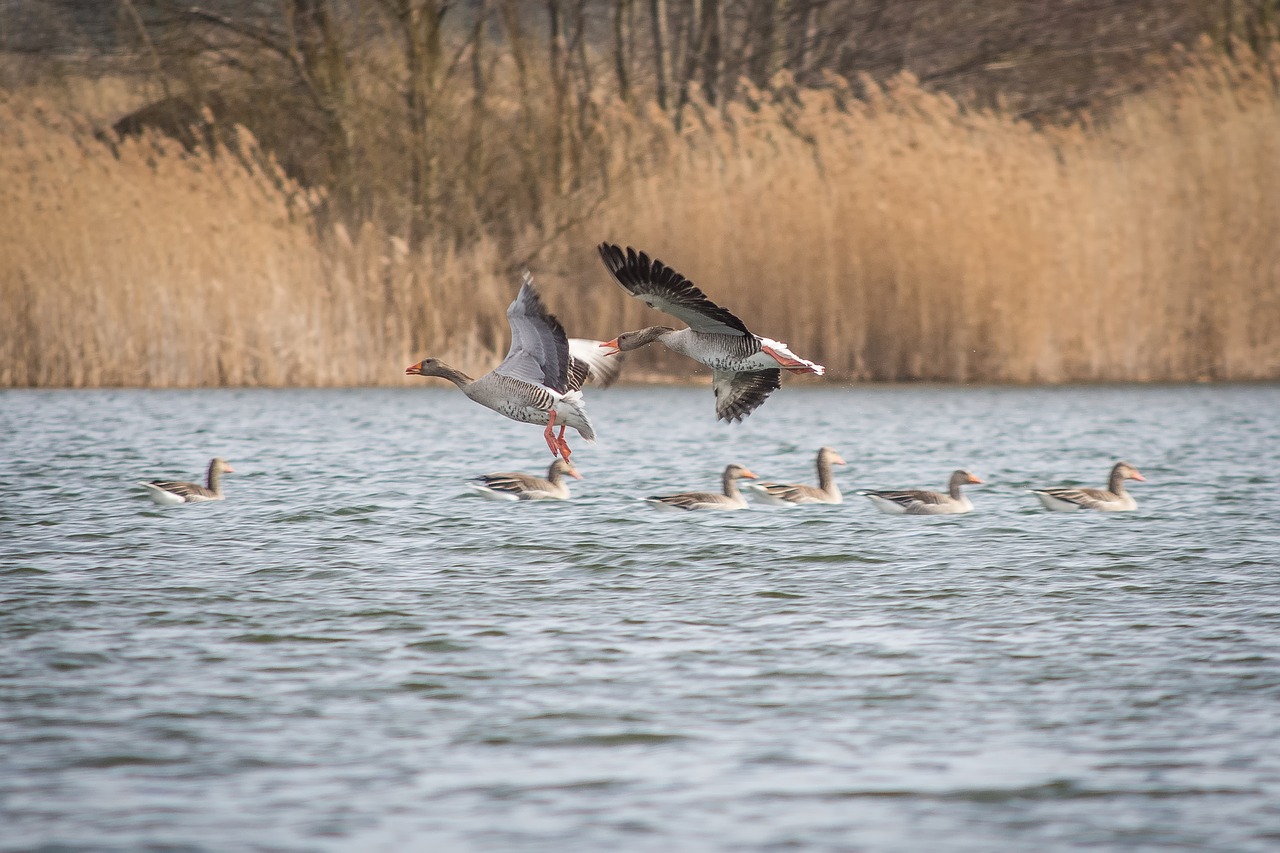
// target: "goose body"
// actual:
[[538, 382], [511, 486], [1114, 498], [922, 502], [798, 494], [172, 492], [746, 367], [731, 498]]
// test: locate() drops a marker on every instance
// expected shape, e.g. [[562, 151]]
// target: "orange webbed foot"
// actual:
[[550, 437]]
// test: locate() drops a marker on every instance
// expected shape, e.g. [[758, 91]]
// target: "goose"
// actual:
[[921, 502], [826, 492], [510, 486], [1113, 498], [731, 499], [537, 383], [745, 368], [169, 492]]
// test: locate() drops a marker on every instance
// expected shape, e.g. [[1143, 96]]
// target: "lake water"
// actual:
[[349, 653]]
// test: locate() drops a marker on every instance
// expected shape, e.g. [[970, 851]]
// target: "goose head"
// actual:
[[829, 455], [565, 467], [427, 367], [628, 341], [1127, 472]]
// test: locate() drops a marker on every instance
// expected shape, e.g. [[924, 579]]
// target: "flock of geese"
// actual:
[[541, 379]]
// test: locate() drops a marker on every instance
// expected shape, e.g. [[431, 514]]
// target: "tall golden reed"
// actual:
[[161, 268], [903, 238], [895, 236]]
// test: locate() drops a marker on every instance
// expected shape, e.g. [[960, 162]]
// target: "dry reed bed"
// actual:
[[894, 237], [902, 238]]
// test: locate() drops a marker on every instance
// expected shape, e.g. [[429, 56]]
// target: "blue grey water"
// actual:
[[351, 653]]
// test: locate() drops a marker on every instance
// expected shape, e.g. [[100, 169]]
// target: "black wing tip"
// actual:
[[630, 267], [613, 257]]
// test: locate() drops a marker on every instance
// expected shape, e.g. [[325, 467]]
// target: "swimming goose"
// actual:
[[1114, 498], [602, 370], [525, 487], [169, 492], [746, 368], [731, 499], [921, 502], [537, 383], [826, 492]]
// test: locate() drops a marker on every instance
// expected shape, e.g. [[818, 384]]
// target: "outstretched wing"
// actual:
[[539, 347], [661, 287], [602, 369], [740, 394], [579, 373]]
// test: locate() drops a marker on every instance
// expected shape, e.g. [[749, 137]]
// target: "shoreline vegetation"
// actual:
[[885, 230]]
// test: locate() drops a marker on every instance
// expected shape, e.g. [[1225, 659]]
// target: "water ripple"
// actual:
[[353, 652]]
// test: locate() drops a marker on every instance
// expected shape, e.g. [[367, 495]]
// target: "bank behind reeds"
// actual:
[[895, 237]]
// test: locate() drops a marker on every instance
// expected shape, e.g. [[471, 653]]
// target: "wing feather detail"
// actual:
[[662, 288], [740, 394], [539, 347]]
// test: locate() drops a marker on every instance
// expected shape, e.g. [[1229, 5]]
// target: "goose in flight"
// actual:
[[537, 383], [745, 368]]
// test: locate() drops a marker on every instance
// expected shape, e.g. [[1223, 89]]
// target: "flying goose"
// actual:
[[169, 492], [510, 486], [746, 368], [537, 383], [731, 499], [921, 502], [1113, 498], [826, 492]]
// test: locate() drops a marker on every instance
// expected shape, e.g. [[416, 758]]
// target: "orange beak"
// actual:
[[973, 479], [1138, 476], [415, 370], [575, 475], [611, 347], [228, 469], [747, 475], [837, 460]]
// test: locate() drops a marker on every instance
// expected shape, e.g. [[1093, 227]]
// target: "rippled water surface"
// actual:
[[350, 653]]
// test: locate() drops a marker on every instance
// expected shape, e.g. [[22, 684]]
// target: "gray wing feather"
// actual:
[[740, 394], [911, 497], [688, 500], [1088, 498], [579, 373], [790, 491], [178, 487], [539, 347], [510, 482]]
